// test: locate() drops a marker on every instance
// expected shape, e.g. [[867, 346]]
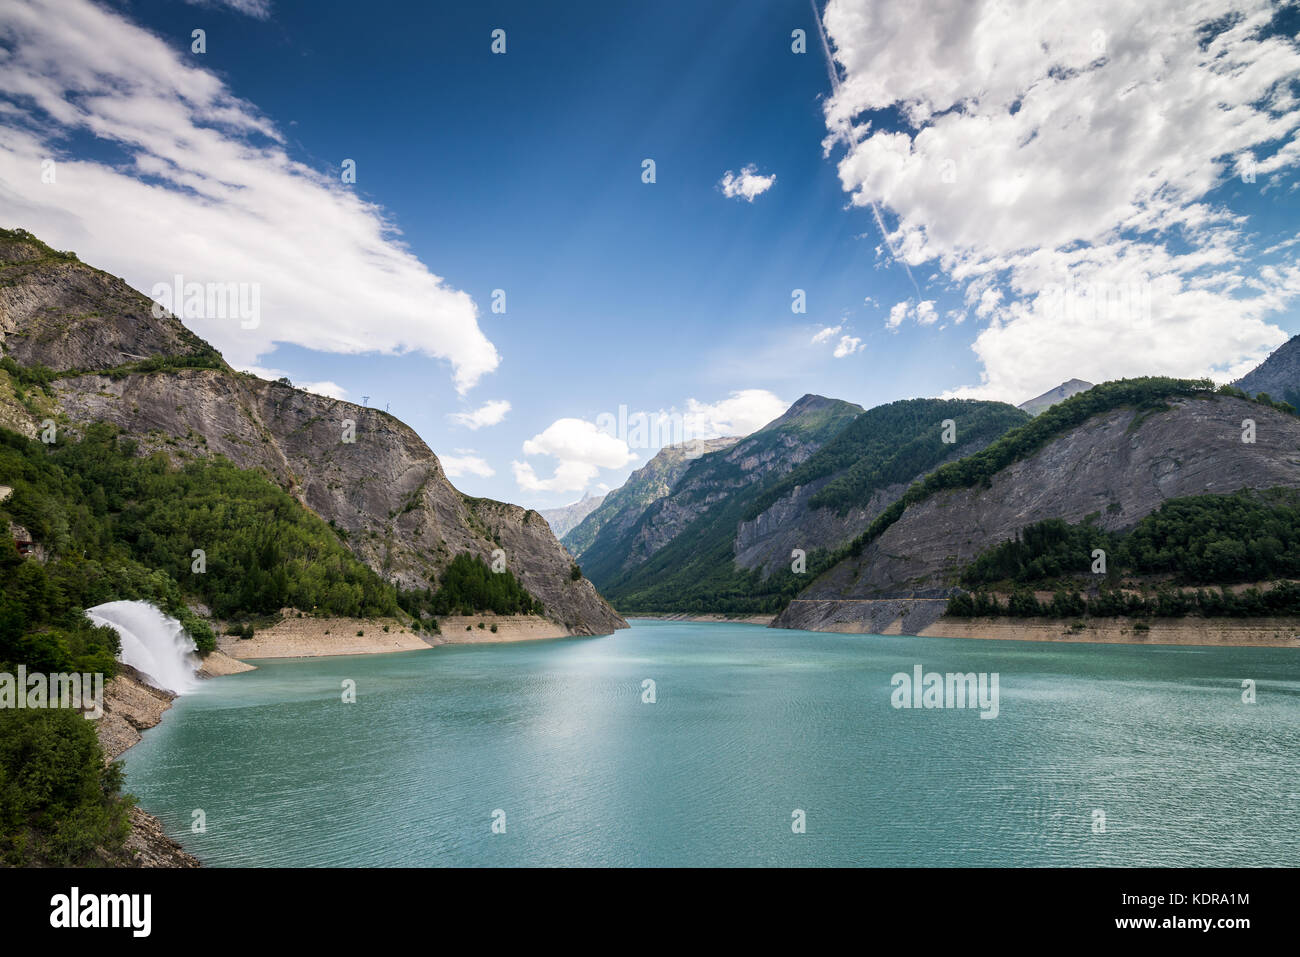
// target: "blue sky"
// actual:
[[957, 131]]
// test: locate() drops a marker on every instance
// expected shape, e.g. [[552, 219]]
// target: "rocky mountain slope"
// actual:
[[723, 539], [1052, 396], [840, 490], [567, 517], [1117, 466], [620, 509], [1278, 375], [385, 491], [712, 482]]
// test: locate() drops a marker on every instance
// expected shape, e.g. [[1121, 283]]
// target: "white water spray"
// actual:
[[152, 643]]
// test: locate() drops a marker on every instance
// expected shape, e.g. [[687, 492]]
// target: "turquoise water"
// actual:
[[749, 725]]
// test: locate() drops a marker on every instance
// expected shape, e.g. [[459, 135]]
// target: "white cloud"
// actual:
[[568, 477], [261, 9], [745, 185], [925, 313], [848, 345], [581, 449], [465, 462], [207, 190], [490, 413], [579, 440], [827, 334], [741, 413], [897, 314], [1045, 146], [327, 388]]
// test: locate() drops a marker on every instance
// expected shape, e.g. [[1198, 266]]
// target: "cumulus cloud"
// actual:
[[490, 413], [847, 346], [827, 334], [745, 185], [327, 388], [742, 412], [581, 449], [1038, 148], [202, 186], [465, 462]]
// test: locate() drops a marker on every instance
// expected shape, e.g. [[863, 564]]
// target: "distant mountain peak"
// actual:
[[1052, 396], [812, 409]]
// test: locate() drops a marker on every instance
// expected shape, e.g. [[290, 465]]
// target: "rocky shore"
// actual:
[[682, 616], [132, 705]]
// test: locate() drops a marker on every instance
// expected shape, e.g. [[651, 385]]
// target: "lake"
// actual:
[[1098, 755]]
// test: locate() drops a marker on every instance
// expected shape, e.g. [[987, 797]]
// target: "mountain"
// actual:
[[711, 483], [564, 518], [841, 489], [1278, 375], [621, 508], [94, 343], [737, 556], [1110, 456], [1052, 396]]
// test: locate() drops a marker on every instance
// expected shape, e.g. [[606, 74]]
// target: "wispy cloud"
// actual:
[[847, 346], [261, 9], [209, 191]]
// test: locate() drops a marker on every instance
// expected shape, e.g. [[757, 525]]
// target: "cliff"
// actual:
[[385, 490]]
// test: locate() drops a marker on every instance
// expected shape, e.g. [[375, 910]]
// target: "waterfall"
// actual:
[[152, 643]]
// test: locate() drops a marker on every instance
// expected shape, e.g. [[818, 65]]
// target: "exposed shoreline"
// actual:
[[330, 637], [925, 617], [131, 706], [1185, 632], [763, 620]]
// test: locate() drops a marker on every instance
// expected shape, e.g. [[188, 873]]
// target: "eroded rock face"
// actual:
[[620, 510], [65, 315], [131, 705], [386, 490], [767, 541], [1120, 466]]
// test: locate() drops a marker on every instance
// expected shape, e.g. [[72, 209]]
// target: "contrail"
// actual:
[[833, 72]]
